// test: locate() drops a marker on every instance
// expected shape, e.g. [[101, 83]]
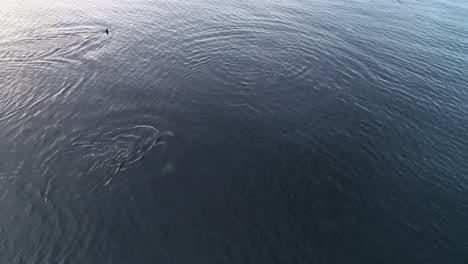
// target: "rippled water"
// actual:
[[234, 131]]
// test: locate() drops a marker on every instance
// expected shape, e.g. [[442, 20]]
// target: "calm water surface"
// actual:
[[303, 131]]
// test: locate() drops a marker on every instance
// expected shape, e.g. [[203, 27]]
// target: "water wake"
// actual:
[[91, 157]]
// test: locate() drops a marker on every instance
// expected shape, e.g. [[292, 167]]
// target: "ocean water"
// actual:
[[303, 131]]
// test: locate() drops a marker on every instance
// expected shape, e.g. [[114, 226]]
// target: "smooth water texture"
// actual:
[[303, 131]]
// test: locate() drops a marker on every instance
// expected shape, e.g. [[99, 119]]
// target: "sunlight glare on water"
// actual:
[[233, 131]]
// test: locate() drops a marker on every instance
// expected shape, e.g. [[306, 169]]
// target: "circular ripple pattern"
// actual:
[[96, 155], [307, 131]]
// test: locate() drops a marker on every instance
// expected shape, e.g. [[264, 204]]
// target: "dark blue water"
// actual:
[[234, 131]]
